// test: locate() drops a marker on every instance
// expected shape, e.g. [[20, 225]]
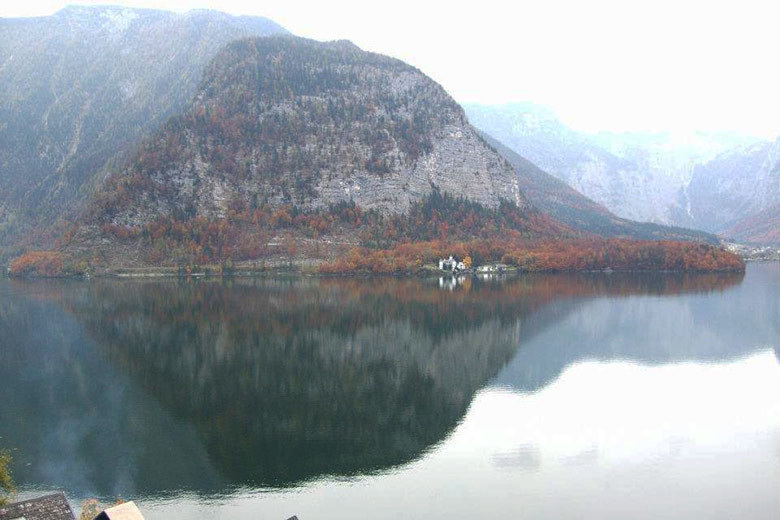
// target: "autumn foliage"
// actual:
[[38, 263], [246, 230], [544, 256], [436, 226]]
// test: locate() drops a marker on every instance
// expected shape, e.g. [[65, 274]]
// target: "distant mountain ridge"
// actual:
[[561, 201], [700, 181], [738, 192], [81, 87]]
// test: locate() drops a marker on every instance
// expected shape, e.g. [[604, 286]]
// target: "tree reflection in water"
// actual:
[[127, 388]]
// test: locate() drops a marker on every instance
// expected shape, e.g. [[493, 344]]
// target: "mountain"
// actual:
[[273, 147], [639, 176], [287, 121], [576, 158], [78, 90], [292, 148], [737, 192], [564, 203], [761, 228]]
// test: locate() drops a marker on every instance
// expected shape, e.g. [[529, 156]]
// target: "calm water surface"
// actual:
[[567, 396]]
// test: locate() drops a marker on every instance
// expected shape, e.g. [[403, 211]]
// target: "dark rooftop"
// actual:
[[50, 507]]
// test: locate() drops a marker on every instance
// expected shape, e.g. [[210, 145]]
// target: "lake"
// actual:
[[550, 396]]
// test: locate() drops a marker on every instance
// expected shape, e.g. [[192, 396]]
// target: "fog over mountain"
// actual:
[[600, 64], [559, 200], [82, 86], [703, 180]]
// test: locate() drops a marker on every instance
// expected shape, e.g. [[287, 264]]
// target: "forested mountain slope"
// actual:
[[761, 228], [288, 121], [291, 139], [80, 87]]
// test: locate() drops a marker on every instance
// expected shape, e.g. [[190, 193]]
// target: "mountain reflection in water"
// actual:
[[143, 389]]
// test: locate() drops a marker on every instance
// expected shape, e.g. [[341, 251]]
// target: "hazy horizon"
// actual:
[[605, 66]]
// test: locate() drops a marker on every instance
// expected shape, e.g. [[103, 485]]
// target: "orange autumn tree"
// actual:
[[567, 255], [38, 263], [435, 226]]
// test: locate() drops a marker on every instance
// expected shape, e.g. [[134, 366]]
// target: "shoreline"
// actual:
[[167, 273]]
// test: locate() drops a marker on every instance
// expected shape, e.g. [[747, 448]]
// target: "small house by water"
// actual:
[[451, 265]]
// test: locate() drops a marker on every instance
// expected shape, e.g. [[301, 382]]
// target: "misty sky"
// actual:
[[656, 65]]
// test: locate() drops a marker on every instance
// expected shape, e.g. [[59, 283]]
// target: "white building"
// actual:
[[451, 265], [448, 264]]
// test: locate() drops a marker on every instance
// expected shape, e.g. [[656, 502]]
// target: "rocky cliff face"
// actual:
[[564, 203], [639, 176], [285, 120], [575, 158], [81, 86]]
